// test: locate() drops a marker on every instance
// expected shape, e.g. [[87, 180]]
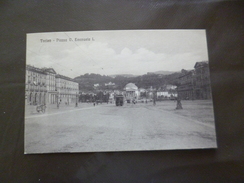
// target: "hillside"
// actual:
[[164, 72], [124, 75], [87, 81]]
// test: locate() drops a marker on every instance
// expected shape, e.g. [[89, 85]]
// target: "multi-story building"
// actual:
[[195, 84], [52, 93], [162, 93], [45, 86], [186, 88], [202, 77], [67, 89], [167, 91], [35, 85]]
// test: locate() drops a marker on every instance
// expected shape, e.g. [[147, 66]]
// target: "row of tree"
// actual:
[[98, 97]]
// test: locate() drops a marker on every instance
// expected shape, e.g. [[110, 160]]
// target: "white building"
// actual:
[[109, 84], [67, 89], [131, 91], [168, 91], [45, 86], [51, 85], [170, 87], [36, 88]]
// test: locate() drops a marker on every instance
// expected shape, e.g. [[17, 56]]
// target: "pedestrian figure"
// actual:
[[179, 105], [94, 103]]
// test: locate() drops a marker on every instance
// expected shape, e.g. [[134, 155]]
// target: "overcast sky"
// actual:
[[117, 52]]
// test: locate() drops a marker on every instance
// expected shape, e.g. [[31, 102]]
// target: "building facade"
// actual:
[[35, 86], [45, 86], [51, 85], [67, 89], [131, 92], [167, 92], [195, 84], [186, 88], [202, 77]]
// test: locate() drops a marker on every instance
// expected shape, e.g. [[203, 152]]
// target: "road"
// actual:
[[106, 127]]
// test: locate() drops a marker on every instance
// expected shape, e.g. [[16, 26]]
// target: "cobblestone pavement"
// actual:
[[106, 127]]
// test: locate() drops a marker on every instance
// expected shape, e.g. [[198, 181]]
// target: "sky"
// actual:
[[116, 52]]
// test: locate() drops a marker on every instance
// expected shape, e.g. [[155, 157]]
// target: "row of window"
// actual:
[[67, 96], [35, 86], [36, 80], [68, 88], [73, 85], [52, 87]]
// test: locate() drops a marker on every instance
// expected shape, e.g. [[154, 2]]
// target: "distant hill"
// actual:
[[131, 75], [123, 75], [87, 81], [164, 72]]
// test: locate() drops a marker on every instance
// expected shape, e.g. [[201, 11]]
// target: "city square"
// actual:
[[105, 93], [106, 127]]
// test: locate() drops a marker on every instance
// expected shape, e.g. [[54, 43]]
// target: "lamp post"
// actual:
[[76, 102], [146, 96], [154, 96], [57, 101]]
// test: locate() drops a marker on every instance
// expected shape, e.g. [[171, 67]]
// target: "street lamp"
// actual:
[[154, 96], [76, 103], [146, 95], [57, 101]]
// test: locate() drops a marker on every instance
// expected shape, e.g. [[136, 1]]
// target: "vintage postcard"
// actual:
[[123, 90]]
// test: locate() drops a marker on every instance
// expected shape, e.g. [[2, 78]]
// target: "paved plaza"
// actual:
[[105, 127]]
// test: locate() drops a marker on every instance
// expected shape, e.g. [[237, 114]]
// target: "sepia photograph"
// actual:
[[120, 90]]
